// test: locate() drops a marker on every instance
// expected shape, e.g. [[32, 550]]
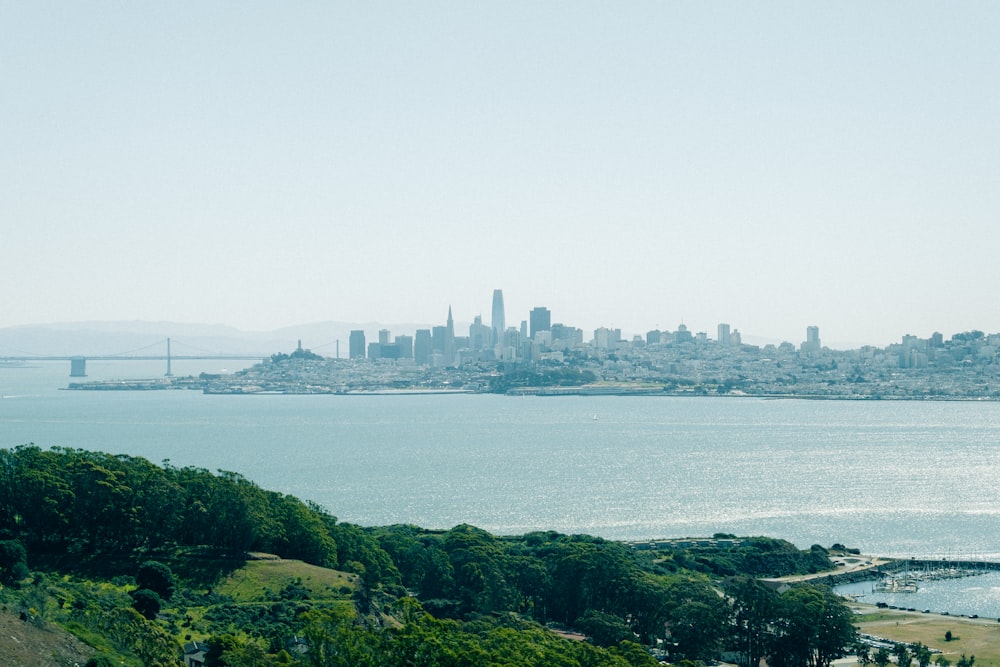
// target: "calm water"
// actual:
[[891, 478], [970, 595]]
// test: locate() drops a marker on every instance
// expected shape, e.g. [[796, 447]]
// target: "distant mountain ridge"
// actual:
[[108, 338]]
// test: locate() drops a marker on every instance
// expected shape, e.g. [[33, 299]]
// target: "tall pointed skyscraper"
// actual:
[[498, 318], [450, 352]]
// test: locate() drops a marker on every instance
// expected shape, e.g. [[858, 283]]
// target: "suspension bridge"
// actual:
[[78, 363]]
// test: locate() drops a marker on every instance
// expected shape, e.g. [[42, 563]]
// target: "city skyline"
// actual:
[[772, 166]]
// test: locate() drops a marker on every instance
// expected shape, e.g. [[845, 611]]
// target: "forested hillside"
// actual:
[[141, 560]]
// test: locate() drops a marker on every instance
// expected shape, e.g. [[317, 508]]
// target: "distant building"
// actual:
[[438, 334], [811, 344], [194, 654], [405, 345], [422, 347], [540, 319], [498, 323], [383, 336], [607, 339], [510, 347], [357, 344], [564, 336], [682, 335], [450, 350], [724, 337], [480, 335]]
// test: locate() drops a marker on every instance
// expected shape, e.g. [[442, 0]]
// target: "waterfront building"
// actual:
[[541, 320], [357, 344]]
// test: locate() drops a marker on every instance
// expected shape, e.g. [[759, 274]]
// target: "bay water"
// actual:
[[892, 478]]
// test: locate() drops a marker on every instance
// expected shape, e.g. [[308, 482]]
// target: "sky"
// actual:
[[771, 165]]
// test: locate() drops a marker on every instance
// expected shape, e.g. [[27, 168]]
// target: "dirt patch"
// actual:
[[24, 644]]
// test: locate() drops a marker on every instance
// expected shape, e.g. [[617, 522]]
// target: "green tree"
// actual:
[[922, 654], [146, 602], [603, 629], [101, 660], [864, 653], [636, 655], [156, 577], [647, 606], [696, 618], [814, 627], [903, 656], [13, 562], [881, 657], [753, 608]]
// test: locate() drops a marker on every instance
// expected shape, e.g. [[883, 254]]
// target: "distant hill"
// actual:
[[141, 337]]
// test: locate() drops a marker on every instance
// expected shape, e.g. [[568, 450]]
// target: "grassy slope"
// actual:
[[253, 580], [978, 637]]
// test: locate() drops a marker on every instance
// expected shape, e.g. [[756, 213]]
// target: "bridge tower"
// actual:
[[78, 367], [168, 374]]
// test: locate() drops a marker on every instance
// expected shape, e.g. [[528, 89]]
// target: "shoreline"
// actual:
[[194, 383]]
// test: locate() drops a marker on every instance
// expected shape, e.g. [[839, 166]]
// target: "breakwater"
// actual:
[[910, 568]]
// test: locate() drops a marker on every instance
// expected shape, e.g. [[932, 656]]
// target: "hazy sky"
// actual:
[[634, 165]]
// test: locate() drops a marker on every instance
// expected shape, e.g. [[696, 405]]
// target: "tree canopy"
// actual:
[[418, 596]]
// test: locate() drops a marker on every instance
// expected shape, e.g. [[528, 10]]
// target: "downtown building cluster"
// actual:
[[545, 358], [530, 342], [442, 346]]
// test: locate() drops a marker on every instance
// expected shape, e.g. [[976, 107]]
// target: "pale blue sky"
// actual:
[[770, 165]]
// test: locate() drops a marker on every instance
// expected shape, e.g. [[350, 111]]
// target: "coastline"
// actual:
[[296, 388]]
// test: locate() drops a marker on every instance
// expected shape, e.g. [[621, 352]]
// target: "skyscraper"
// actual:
[[422, 347], [450, 351], [497, 323], [541, 320], [811, 343], [724, 337], [480, 335], [357, 345]]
